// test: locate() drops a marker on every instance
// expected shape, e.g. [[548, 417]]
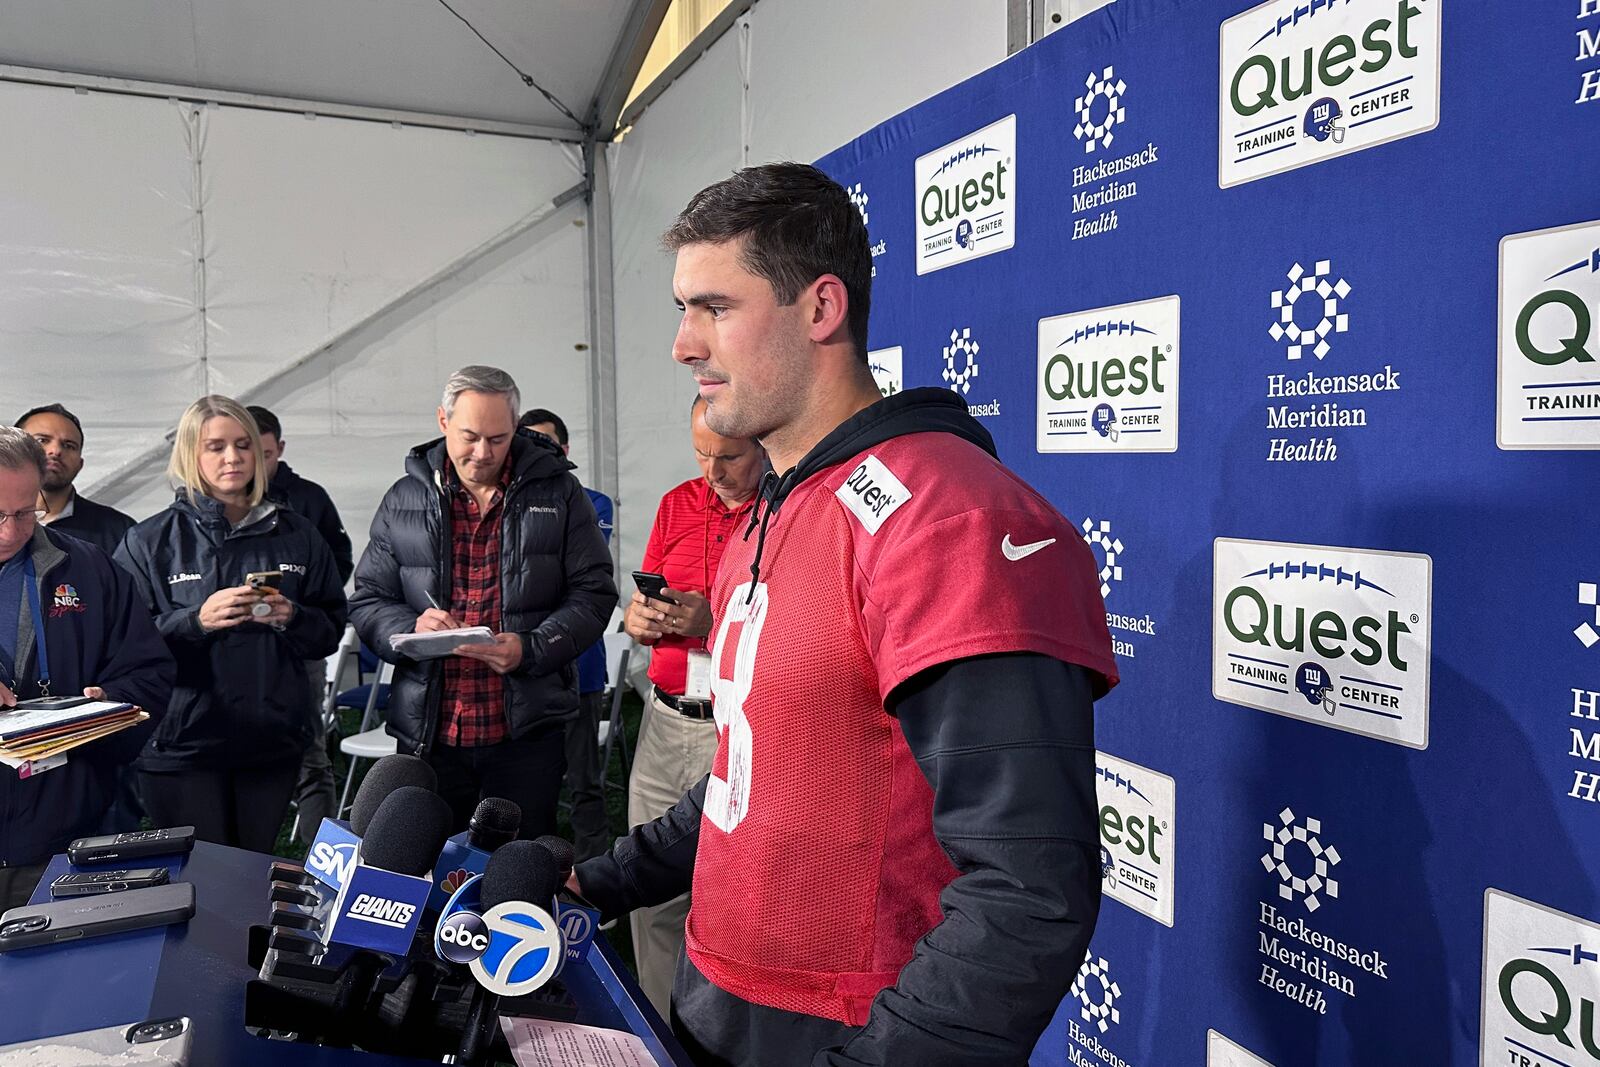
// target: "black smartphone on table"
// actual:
[[651, 585], [92, 883], [61, 921], [171, 841]]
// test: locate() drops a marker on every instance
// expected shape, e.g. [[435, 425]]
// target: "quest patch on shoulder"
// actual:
[[872, 493]]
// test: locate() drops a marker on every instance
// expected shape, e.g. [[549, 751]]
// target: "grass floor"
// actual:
[[616, 801]]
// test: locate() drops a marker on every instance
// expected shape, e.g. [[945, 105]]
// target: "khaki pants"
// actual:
[[674, 753]]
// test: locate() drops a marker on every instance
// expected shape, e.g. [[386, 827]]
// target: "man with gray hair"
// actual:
[[71, 622], [488, 528]]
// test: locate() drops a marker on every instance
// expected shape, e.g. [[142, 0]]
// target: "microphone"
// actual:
[[494, 823], [381, 902], [333, 851], [564, 854], [523, 944], [576, 917]]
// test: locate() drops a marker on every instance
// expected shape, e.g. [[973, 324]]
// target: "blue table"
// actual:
[[199, 969]]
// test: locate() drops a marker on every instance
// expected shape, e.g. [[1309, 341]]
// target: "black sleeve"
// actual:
[[1007, 742], [135, 666], [650, 866], [331, 527], [590, 594], [318, 622], [378, 607]]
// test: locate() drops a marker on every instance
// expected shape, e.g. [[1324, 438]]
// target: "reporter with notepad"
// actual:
[[70, 622], [488, 527], [227, 756]]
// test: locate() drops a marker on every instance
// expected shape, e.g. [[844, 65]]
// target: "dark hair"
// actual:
[[534, 416], [799, 224], [266, 421], [51, 409]]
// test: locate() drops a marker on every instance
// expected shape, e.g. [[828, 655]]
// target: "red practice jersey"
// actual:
[[818, 870]]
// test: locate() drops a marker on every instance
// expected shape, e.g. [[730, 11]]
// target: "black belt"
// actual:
[[685, 706]]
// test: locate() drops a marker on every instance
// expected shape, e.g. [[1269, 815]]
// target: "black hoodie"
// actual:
[[241, 694], [310, 501], [556, 585], [1014, 809]]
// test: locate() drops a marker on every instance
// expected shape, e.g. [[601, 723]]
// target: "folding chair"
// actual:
[[372, 742], [619, 648], [333, 673]]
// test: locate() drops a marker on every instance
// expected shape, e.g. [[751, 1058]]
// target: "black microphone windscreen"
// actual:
[[383, 778], [407, 831], [520, 870], [562, 850], [496, 819]]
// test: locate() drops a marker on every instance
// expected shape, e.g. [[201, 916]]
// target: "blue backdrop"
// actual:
[[1240, 289]]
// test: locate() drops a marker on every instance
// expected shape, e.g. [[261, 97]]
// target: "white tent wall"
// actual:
[[413, 251], [790, 80]]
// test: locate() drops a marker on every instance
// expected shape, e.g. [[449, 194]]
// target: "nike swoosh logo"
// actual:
[[1016, 552]]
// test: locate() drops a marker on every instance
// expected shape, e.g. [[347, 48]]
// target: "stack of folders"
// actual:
[[34, 739]]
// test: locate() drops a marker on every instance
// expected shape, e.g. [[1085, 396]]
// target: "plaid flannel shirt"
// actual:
[[474, 710]]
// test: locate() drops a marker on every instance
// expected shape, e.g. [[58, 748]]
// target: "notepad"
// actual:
[[23, 722], [440, 643]]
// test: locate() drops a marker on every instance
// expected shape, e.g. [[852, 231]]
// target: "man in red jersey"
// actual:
[[895, 855], [695, 523]]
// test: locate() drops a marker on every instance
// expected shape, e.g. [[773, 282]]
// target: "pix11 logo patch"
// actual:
[[1340, 637], [1549, 339], [1541, 985], [1108, 379], [1137, 812], [1303, 81], [966, 197], [1221, 1052]]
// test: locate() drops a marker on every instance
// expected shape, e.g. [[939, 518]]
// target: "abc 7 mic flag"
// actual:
[[512, 949]]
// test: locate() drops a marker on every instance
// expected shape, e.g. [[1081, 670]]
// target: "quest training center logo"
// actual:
[[966, 197], [1221, 1052], [1339, 637], [1108, 379], [1549, 339], [1303, 81], [888, 369], [1137, 812], [1541, 985]]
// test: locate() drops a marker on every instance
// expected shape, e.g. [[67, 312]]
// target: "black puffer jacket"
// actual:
[[241, 696], [556, 585]]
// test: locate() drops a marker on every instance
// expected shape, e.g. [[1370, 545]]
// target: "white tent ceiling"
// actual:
[[410, 55]]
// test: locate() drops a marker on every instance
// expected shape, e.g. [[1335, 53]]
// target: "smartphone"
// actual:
[[264, 581], [174, 840], [651, 585], [90, 883], [153, 1043], [50, 703], [72, 920]]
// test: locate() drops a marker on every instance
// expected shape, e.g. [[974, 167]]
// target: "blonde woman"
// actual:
[[225, 757]]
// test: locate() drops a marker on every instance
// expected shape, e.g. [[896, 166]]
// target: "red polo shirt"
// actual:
[[692, 529]]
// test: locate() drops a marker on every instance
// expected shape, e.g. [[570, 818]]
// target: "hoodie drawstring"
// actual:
[[762, 516]]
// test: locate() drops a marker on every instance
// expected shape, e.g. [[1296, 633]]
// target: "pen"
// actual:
[[432, 601]]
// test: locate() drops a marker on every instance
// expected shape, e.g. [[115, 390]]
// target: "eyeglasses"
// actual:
[[20, 517]]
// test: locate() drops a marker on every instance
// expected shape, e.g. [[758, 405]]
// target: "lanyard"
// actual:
[[32, 587]]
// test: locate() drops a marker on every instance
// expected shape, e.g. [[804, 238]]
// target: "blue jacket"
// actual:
[[241, 697], [592, 662], [97, 632]]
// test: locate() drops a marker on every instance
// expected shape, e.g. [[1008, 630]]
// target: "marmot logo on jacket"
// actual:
[[539, 509]]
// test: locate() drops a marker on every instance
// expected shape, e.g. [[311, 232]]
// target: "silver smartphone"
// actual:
[[108, 913], [152, 1043]]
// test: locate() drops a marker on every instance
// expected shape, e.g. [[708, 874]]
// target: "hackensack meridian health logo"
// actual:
[[1137, 812], [966, 197], [1549, 382], [1108, 379], [1541, 985], [860, 198], [1339, 637], [960, 354], [1302, 81]]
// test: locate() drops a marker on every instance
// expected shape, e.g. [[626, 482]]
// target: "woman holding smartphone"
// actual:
[[244, 593]]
